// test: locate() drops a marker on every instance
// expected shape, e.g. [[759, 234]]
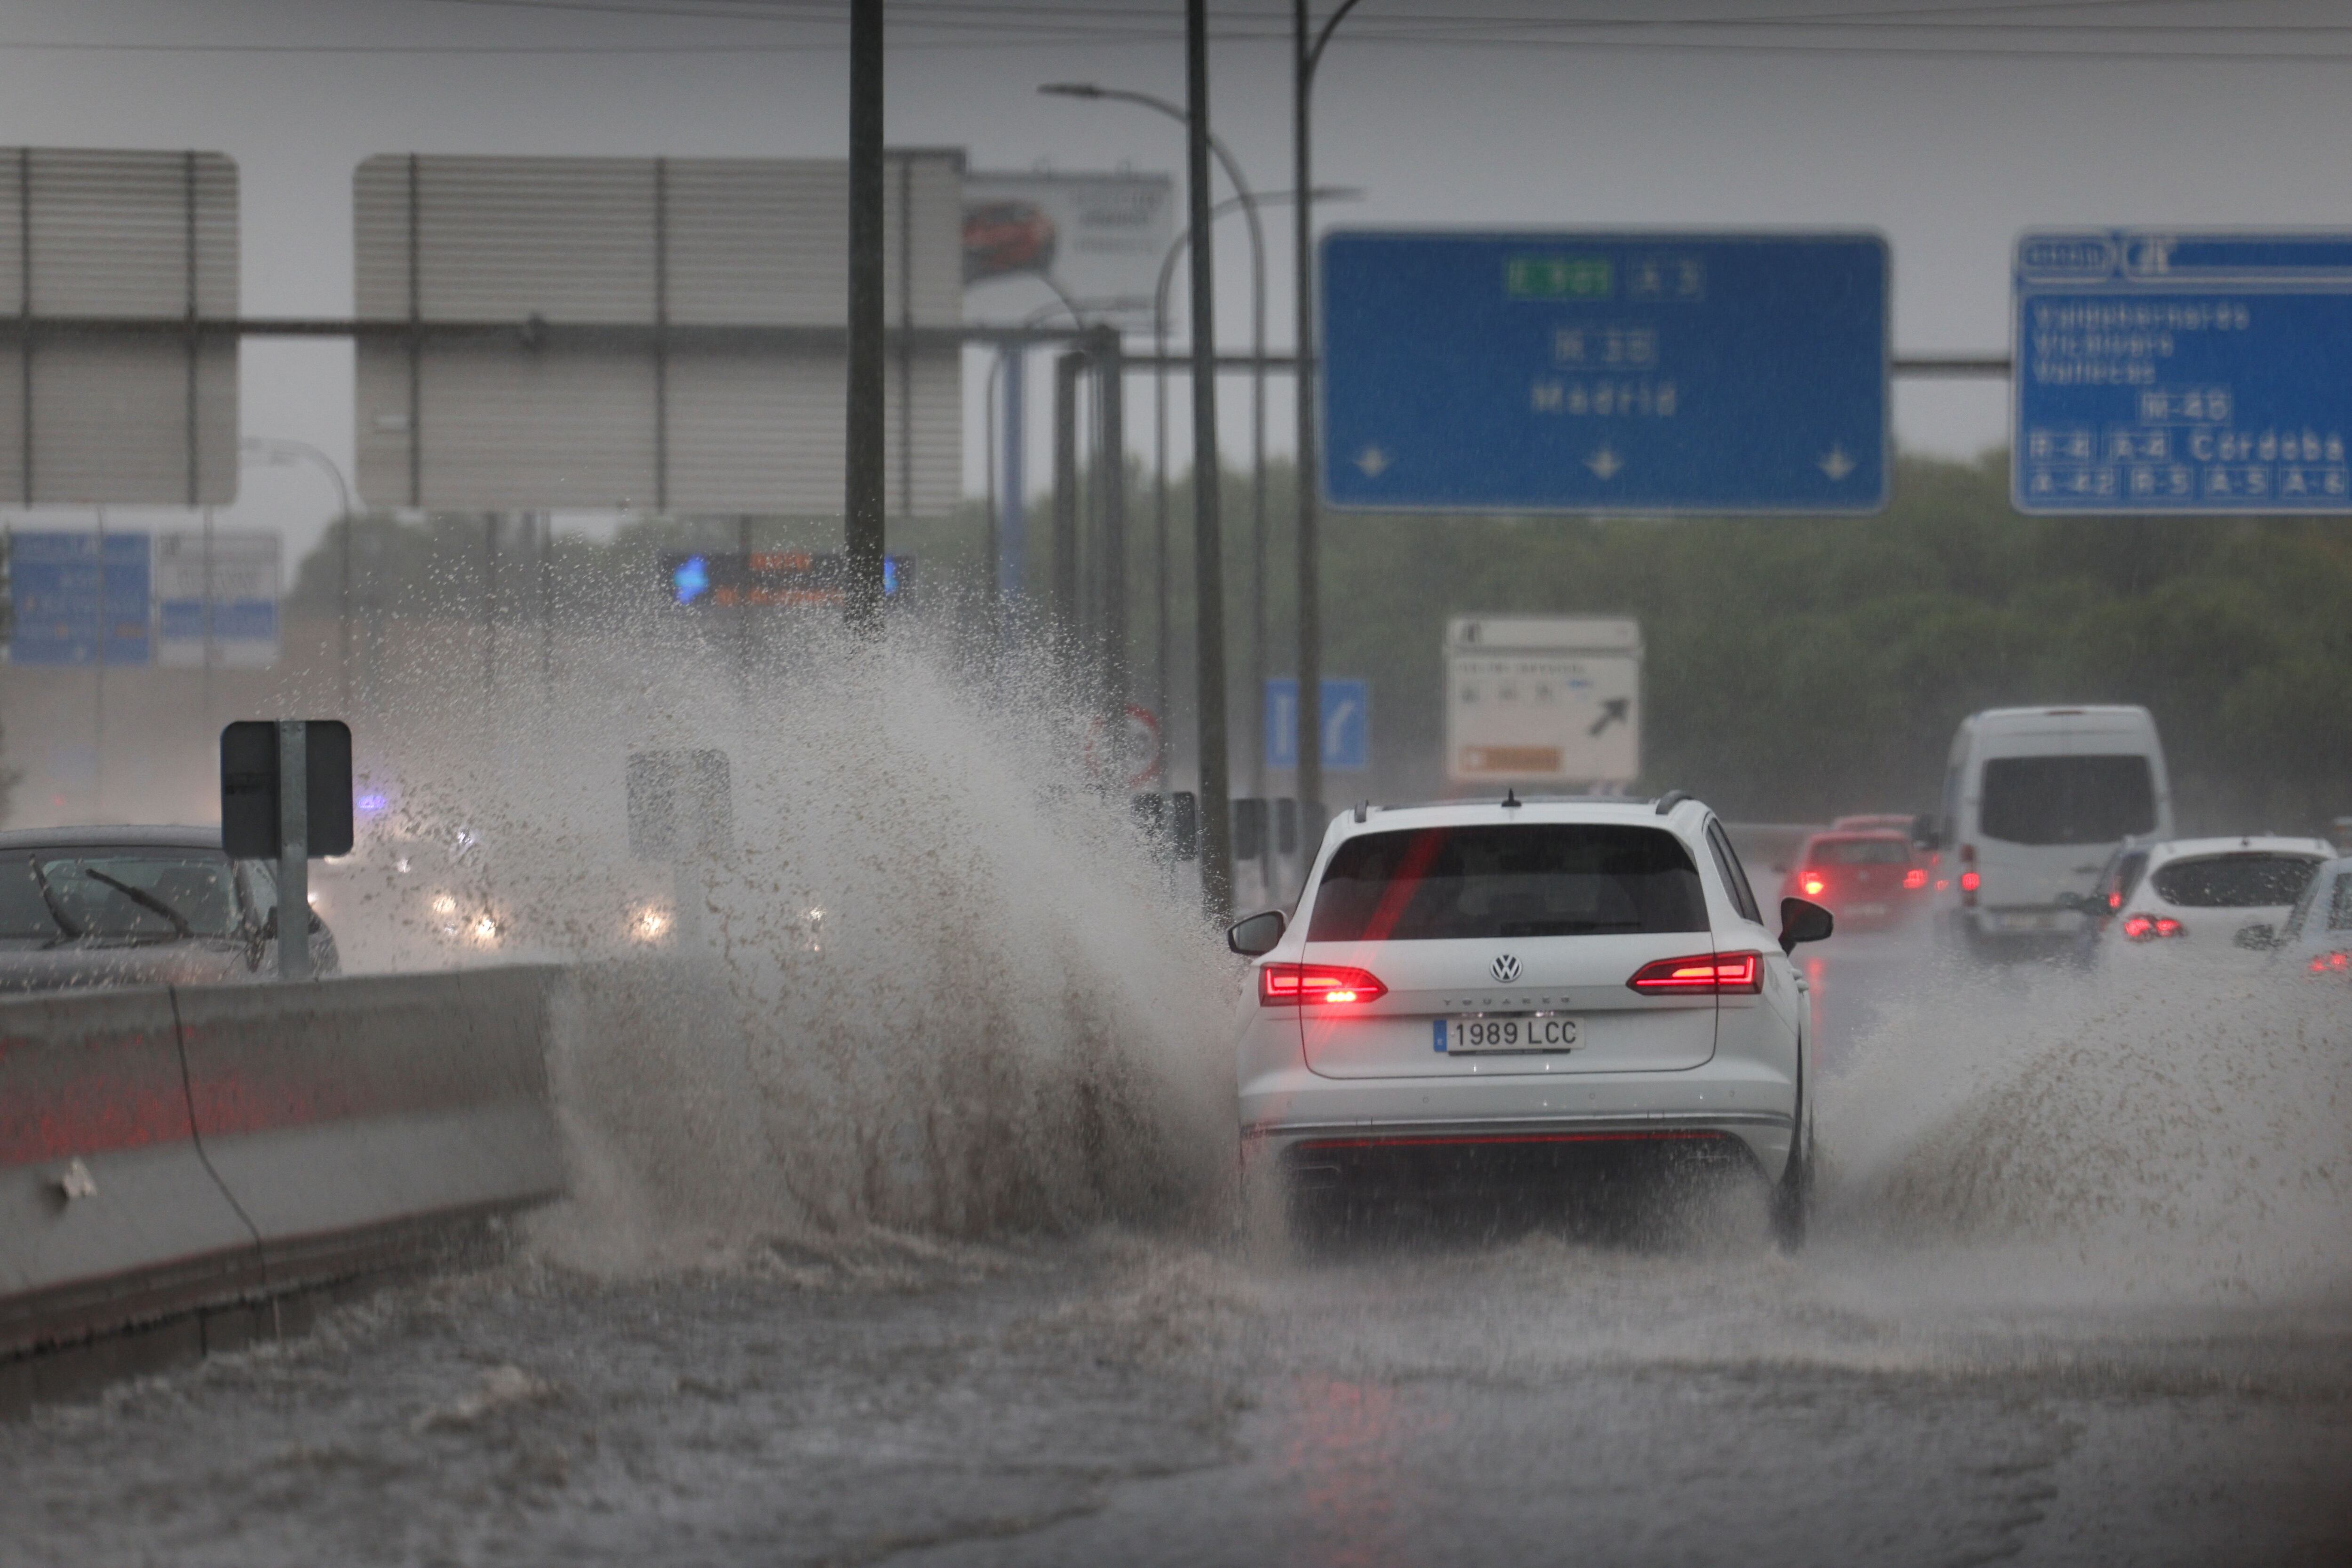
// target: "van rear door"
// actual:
[[2050, 806]]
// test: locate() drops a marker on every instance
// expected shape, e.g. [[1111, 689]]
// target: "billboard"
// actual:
[[1093, 242], [111, 391], [663, 334]]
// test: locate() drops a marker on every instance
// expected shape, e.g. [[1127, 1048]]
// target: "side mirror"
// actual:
[[1256, 935], [1802, 920], [2261, 937]]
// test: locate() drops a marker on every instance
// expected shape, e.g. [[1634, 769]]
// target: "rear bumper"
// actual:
[[1283, 1113]]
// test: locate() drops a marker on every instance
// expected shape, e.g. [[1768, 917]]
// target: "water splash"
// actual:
[[939, 982]]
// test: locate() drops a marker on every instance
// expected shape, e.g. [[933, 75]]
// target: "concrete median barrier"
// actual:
[[371, 1109], [107, 1214], [168, 1152]]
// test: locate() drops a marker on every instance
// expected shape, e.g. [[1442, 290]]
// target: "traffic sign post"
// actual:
[[1543, 700], [1567, 370], [286, 794], [2169, 372], [1347, 716]]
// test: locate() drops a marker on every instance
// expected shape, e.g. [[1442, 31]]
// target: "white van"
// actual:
[[2035, 799]]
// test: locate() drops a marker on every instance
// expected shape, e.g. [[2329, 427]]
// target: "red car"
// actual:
[[1868, 880]]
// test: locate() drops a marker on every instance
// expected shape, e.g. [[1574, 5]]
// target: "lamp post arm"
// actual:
[[1314, 54]]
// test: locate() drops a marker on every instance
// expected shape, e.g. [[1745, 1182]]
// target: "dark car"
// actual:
[[1866, 879], [138, 906]]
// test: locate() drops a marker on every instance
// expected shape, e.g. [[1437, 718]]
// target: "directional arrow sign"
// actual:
[[1613, 711], [1569, 370]]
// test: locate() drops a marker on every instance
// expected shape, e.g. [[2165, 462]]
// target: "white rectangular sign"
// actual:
[[1543, 700], [659, 335], [217, 599], [1092, 242]]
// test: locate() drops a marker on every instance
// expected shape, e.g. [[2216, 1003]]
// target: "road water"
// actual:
[[904, 1232]]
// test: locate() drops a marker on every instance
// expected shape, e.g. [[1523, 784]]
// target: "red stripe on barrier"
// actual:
[[90, 1096]]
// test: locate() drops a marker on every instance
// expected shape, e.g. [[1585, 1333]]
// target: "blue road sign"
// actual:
[[2168, 372], [73, 607], [1347, 724], [1588, 372]]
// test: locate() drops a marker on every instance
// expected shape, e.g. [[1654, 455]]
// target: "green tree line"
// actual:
[[1796, 667]]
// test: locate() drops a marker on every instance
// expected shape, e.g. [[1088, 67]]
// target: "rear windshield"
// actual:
[[2067, 800], [1437, 884], [1861, 852], [2232, 881]]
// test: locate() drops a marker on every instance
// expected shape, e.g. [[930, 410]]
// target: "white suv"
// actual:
[[1469, 989]]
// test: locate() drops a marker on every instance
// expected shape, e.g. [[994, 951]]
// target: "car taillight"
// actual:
[[1914, 878], [1812, 884], [1288, 985], [2152, 928], [2332, 963], [2115, 902], [1703, 975], [1970, 881]]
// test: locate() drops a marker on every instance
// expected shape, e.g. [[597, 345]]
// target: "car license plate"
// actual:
[[1866, 911], [1524, 1032]]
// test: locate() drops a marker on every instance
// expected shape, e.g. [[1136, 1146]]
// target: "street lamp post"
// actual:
[[1248, 202], [1307, 54], [1160, 442], [281, 453]]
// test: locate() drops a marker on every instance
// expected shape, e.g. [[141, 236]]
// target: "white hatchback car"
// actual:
[[1468, 990], [2216, 898]]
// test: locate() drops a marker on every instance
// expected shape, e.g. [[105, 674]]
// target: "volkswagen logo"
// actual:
[[1507, 968]]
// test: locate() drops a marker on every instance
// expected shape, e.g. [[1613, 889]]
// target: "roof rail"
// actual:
[[1671, 799]]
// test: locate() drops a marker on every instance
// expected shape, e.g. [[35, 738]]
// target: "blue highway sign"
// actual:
[[71, 605], [1347, 724], [2171, 371], [1567, 370]]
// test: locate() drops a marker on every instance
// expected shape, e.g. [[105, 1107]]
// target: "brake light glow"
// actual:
[[1914, 878], [2152, 928], [1288, 985], [1703, 975], [2332, 963], [1812, 884], [2115, 902]]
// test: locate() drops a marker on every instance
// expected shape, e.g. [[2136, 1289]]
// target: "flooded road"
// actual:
[[1144, 1402], [2128, 1345]]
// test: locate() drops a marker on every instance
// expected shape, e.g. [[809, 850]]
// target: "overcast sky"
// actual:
[[1947, 138]]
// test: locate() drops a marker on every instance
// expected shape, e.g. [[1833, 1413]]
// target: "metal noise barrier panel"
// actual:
[[166, 1150]]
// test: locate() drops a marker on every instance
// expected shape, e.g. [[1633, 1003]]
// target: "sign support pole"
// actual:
[[1208, 552], [867, 461], [293, 849]]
